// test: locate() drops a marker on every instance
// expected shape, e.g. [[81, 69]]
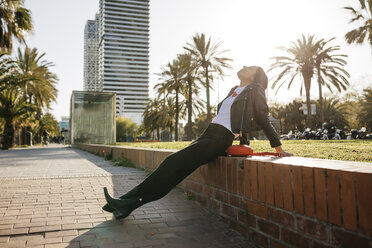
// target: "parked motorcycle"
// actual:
[[324, 134], [359, 134]]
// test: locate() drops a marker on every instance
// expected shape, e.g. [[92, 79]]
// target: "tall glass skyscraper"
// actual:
[[123, 52], [91, 82]]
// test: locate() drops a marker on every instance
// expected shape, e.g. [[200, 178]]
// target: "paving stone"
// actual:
[[6, 226], [63, 245], [45, 229], [4, 239], [61, 233], [15, 244], [66, 239]]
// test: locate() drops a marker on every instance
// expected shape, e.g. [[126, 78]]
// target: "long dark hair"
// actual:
[[261, 77]]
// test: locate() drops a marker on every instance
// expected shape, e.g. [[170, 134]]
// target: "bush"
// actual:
[[108, 156], [125, 127], [123, 162]]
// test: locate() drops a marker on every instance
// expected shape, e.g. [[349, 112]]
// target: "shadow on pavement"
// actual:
[[196, 229], [173, 221]]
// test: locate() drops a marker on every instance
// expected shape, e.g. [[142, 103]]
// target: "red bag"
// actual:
[[244, 150]]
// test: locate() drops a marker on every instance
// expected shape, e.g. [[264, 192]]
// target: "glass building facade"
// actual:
[[123, 51], [92, 118]]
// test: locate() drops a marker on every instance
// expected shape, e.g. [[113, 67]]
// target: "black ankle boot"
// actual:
[[123, 207], [131, 194]]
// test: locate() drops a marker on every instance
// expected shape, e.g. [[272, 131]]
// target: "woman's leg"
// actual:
[[175, 168]]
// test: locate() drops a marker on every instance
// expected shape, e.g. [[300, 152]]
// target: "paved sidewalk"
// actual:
[[52, 197]]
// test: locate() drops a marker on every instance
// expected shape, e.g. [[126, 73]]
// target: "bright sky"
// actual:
[[251, 30]]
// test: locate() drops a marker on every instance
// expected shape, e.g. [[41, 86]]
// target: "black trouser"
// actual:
[[176, 167]]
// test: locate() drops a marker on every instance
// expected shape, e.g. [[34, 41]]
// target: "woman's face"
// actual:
[[246, 74]]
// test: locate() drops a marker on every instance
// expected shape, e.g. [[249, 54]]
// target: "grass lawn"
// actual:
[[348, 150]]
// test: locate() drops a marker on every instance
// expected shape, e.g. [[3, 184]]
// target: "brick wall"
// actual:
[[278, 202]]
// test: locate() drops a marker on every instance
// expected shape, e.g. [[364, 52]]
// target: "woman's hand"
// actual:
[[282, 153], [285, 154]]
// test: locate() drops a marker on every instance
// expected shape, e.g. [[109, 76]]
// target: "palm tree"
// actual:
[[208, 58], [363, 16], [41, 90], [330, 71], [366, 114], [172, 75], [169, 114], [13, 108], [189, 67], [7, 67], [10, 78], [293, 116], [6, 64], [151, 116], [336, 111], [14, 21], [162, 90], [300, 62]]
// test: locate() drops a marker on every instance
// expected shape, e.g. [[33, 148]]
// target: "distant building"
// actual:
[[64, 128], [91, 40], [124, 54], [64, 123]]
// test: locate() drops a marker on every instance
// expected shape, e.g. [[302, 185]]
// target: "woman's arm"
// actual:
[[261, 112], [262, 117]]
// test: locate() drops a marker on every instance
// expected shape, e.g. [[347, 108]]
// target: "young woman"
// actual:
[[212, 143]]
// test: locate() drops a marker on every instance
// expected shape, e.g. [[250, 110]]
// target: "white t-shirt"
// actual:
[[223, 117]]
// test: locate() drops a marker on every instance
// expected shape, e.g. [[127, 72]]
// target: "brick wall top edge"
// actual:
[[135, 148], [360, 167]]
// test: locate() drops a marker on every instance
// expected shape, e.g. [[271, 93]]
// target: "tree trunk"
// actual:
[[321, 113], [158, 133], [177, 115], [189, 112], [18, 137], [308, 102], [8, 134], [209, 117], [38, 117], [24, 136]]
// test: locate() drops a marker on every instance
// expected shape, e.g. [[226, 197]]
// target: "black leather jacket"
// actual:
[[249, 112]]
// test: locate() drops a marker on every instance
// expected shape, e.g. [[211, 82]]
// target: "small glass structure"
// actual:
[[92, 118]]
